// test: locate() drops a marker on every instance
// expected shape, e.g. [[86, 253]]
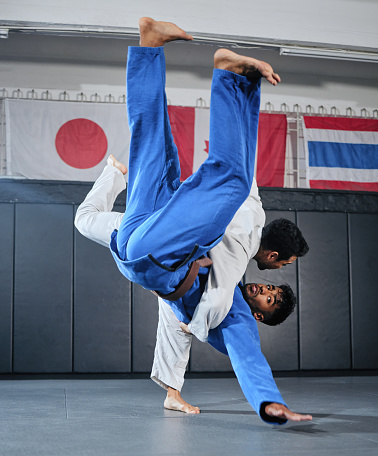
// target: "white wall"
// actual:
[[93, 65], [337, 22]]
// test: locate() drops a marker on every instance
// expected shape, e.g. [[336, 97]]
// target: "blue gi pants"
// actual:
[[167, 225]]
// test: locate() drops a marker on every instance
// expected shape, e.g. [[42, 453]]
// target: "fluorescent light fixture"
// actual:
[[336, 54], [3, 33]]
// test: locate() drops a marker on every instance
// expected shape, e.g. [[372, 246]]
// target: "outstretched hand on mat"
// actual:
[[281, 411]]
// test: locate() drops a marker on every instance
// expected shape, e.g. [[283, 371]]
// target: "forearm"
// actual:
[[229, 265], [238, 335], [254, 375]]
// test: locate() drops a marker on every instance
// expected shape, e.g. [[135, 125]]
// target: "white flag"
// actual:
[[58, 140], [201, 137]]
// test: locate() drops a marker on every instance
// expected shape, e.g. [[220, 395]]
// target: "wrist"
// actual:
[[269, 418]]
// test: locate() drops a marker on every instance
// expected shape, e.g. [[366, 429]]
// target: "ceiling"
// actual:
[[20, 46]]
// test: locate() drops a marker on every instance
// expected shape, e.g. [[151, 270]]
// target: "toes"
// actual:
[[191, 409], [274, 78]]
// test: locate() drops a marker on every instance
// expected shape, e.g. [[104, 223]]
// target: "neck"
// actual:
[[259, 254]]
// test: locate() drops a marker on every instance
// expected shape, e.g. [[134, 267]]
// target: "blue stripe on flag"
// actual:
[[343, 155]]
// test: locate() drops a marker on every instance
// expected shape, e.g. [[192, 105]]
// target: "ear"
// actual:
[[258, 316], [273, 255]]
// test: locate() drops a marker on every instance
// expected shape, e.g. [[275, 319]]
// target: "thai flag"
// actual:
[[342, 153]]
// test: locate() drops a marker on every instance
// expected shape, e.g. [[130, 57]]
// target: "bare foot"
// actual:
[[224, 59], [112, 161], [174, 401], [157, 33], [184, 327]]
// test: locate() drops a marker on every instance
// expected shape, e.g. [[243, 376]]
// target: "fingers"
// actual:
[[184, 327], [298, 417]]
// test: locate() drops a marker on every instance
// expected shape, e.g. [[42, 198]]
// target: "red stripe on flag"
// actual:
[[344, 185], [341, 123], [182, 126], [270, 170]]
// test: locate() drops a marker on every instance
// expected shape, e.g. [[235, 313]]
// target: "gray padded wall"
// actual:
[[65, 307], [42, 288], [205, 358], [102, 311], [6, 285], [364, 278], [145, 318], [279, 343], [324, 292]]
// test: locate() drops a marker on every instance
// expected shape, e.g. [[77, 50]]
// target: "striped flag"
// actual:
[[342, 153]]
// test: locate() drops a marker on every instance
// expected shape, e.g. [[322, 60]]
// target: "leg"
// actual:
[[166, 227], [202, 207], [94, 218], [154, 169], [170, 359]]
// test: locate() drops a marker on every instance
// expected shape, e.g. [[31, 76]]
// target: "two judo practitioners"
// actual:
[[190, 242]]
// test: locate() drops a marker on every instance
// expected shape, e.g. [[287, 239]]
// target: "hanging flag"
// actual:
[[190, 130], [271, 146], [201, 137], [57, 140], [182, 126], [271, 150], [342, 153]]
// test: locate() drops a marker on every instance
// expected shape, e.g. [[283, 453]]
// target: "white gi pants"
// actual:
[[95, 220]]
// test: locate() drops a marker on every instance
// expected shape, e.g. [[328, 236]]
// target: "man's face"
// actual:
[[262, 299], [271, 262]]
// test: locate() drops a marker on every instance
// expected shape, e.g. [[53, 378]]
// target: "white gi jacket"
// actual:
[[230, 257]]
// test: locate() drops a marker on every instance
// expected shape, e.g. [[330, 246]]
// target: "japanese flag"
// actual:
[[64, 140]]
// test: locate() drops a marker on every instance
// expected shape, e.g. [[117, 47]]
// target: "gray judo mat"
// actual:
[[111, 417]]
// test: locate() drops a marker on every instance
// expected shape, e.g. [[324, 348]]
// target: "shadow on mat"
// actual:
[[323, 423], [328, 423], [217, 404], [229, 412]]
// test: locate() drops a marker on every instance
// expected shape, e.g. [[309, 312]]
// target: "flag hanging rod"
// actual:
[[81, 97], [284, 47]]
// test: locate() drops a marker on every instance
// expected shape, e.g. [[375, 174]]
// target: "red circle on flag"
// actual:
[[81, 143]]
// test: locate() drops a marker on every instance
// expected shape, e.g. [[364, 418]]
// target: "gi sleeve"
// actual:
[[238, 336]]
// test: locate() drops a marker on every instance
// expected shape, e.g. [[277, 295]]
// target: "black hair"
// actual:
[[284, 237], [284, 309]]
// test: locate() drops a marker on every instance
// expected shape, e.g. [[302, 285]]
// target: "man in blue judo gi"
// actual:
[[167, 227]]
